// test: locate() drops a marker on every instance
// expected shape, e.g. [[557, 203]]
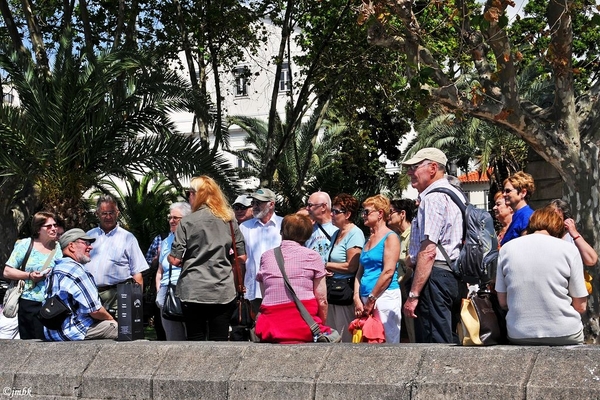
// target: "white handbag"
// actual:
[[11, 299]]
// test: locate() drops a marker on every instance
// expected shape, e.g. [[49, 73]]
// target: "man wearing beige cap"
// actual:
[[242, 208], [76, 288], [434, 297], [261, 233]]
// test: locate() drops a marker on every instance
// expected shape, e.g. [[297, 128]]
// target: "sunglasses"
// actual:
[[365, 213], [413, 168], [240, 208], [170, 217], [335, 211], [310, 205], [507, 191], [189, 191], [48, 226]]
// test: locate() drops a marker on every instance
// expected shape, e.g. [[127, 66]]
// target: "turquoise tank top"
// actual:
[[372, 262]]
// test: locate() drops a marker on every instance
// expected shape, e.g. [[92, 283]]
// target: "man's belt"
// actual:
[[109, 287], [442, 265]]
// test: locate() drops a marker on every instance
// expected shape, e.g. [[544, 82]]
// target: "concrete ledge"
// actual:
[[209, 370]]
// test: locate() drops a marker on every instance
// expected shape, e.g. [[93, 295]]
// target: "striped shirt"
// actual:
[[439, 220], [76, 288], [116, 256]]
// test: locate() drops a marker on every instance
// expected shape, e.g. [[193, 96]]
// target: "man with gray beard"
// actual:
[[261, 233], [76, 288]]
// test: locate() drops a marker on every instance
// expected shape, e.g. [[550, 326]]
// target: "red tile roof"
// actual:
[[476, 177]]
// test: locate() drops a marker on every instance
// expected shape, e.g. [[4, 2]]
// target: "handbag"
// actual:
[[318, 336], [13, 293], [340, 291], [54, 311], [172, 309], [243, 315], [480, 325]]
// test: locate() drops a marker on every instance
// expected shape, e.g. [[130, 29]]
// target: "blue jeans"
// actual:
[[438, 309]]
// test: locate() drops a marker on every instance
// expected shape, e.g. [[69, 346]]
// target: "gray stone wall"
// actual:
[[208, 370]]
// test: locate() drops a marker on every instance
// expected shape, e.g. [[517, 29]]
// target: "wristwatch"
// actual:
[[372, 297], [413, 295]]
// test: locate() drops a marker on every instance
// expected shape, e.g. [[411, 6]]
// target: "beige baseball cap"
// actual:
[[428, 153]]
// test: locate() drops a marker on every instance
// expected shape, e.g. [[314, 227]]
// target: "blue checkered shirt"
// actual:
[[76, 288]]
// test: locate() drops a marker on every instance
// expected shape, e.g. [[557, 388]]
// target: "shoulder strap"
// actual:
[[314, 327], [333, 239], [26, 258], [237, 271], [50, 257], [462, 206], [324, 231]]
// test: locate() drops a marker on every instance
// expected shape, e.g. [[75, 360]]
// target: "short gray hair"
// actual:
[[106, 198], [183, 207]]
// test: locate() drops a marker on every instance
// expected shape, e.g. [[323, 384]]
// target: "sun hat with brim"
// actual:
[[72, 235], [243, 200], [263, 195], [428, 153]]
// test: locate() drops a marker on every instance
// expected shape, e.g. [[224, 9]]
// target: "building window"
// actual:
[[241, 75], [285, 80], [8, 98], [241, 163]]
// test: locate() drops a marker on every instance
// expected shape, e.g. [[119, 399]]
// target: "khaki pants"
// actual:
[[102, 330]]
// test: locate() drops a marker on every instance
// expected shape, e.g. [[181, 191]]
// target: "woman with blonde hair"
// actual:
[[203, 248], [376, 289]]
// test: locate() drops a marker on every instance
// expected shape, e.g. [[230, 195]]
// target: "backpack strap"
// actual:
[[463, 207], [327, 235]]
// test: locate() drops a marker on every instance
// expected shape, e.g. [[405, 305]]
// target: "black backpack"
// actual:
[[478, 257]]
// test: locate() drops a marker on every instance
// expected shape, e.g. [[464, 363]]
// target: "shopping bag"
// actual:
[[130, 311]]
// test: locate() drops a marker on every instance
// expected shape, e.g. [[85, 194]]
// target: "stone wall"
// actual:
[[208, 370]]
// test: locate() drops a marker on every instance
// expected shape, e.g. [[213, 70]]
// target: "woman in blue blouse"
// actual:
[[347, 243], [376, 289], [174, 330], [43, 254]]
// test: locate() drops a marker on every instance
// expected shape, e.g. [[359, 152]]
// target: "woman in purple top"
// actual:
[[518, 189]]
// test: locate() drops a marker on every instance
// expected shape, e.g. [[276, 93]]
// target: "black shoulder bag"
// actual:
[[54, 311]]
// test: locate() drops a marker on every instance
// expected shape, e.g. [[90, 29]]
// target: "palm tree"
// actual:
[[300, 161], [88, 120]]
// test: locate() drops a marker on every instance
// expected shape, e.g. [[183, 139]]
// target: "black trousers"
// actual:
[[438, 310], [207, 321], [30, 326]]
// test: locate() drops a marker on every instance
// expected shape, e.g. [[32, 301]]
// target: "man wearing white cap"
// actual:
[[434, 297], [261, 233], [242, 208], [76, 288]]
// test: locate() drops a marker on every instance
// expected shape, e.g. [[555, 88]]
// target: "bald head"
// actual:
[[319, 207]]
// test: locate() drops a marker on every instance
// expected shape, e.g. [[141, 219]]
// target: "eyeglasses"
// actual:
[[310, 205], [170, 217], [335, 211], [507, 191], [82, 241], [108, 213], [413, 168], [257, 202], [48, 226], [394, 211], [365, 213], [240, 208], [189, 191]]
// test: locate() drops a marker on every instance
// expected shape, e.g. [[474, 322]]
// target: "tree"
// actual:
[[565, 132], [78, 124]]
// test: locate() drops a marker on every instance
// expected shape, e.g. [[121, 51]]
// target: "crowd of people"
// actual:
[[338, 273]]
